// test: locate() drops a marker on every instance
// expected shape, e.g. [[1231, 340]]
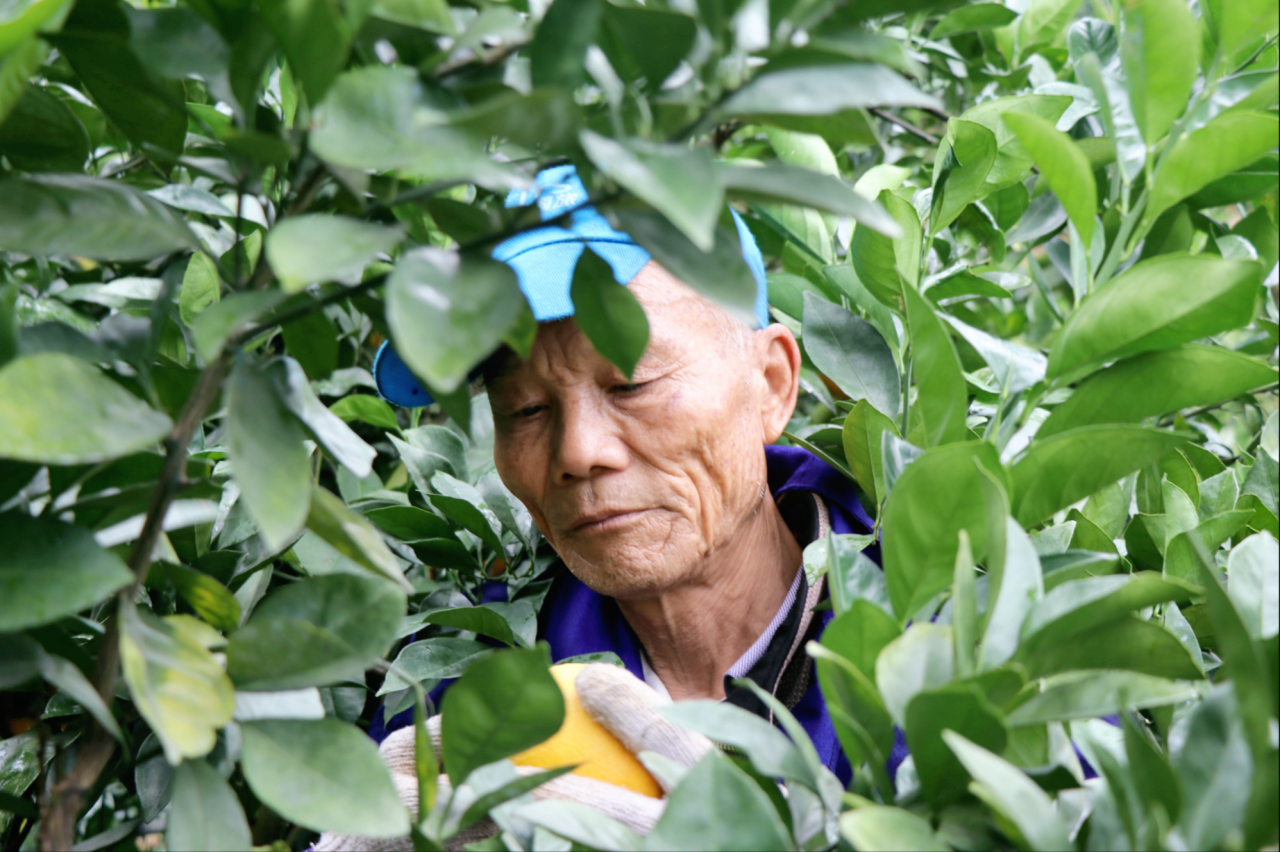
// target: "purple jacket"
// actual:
[[576, 620]]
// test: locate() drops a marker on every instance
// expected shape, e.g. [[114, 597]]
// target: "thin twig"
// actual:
[[58, 820], [905, 125]]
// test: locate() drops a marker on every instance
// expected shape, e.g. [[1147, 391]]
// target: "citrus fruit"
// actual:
[[584, 741]]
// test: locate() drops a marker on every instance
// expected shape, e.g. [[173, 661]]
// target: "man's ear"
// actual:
[[779, 356]]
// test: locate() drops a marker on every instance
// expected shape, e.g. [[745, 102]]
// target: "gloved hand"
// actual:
[[615, 698]]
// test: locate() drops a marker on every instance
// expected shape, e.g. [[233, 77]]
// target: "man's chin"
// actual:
[[625, 579]]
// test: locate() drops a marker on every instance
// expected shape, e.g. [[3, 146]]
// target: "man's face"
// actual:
[[635, 482]]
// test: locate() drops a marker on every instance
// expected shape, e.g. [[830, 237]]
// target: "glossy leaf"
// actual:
[[715, 785], [315, 632], [862, 434], [204, 812], [468, 303], [880, 828], [1069, 466], [943, 400], [1064, 165], [1158, 383], [681, 184], [1011, 794], [1228, 143], [608, 313], [929, 504], [960, 174], [1088, 695], [850, 352], [1159, 49], [269, 462], [317, 247], [825, 89], [889, 265], [504, 704], [788, 183], [324, 774], [59, 410], [176, 684]]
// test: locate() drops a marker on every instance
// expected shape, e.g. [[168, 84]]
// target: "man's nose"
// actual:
[[587, 442]]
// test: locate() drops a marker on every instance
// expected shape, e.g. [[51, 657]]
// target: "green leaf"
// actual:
[[888, 266], [366, 408], [928, 506], [779, 182], [1262, 481], [1063, 165], [768, 749], [850, 352], [1014, 367], [920, 658], [1016, 587], [17, 66], [27, 17], [378, 117], [1129, 643], [1238, 23], [59, 410], [645, 43], [467, 303], [353, 536], [343, 444], [232, 315], [42, 134], [960, 709], [1089, 695], [200, 287], [862, 434], [880, 828], [315, 38], [1011, 794], [825, 89], [1158, 383], [556, 56], [1079, 605], [436, 658], [24, 658], [1213, 760], [608, 313], [967, 19], [176, 684], [315, 632], [1253, 571], [715, 785], [960, 172], [148, 110], [1226, 144], [502, 705], [430, 15], [323, 774], [85, 216], [1158, 304], [1160, 50], [720, 274], [210, 599], [409, 523], [205, 812], [943, 400], [269, 462], [680, 183], [318, 247], [1069, 466], [476, 619]]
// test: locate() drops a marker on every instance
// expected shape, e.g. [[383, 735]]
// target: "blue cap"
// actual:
[[544, 260]]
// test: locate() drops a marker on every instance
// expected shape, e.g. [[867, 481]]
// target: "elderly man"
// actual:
[[680, 528]]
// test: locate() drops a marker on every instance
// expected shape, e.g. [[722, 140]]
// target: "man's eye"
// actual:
[[625, 388], [530, 410]]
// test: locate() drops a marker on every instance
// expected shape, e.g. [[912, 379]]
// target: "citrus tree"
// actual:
[[1029, 250]]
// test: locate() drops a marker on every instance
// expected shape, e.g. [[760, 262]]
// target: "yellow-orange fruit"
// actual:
[[584, 741]]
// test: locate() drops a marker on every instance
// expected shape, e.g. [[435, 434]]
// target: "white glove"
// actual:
[[615, 698]]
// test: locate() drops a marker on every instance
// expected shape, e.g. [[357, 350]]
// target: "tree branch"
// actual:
[[58, 821], [905, 125]]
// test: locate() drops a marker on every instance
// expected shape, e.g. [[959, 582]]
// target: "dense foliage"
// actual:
[[1030, 251]]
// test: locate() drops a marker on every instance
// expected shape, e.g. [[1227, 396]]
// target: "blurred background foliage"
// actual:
[[1029, 249]]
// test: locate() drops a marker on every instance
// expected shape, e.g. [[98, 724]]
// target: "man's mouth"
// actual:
[[604, 521]]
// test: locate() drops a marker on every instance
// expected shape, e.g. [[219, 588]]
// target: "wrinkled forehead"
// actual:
[[682, 324]]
